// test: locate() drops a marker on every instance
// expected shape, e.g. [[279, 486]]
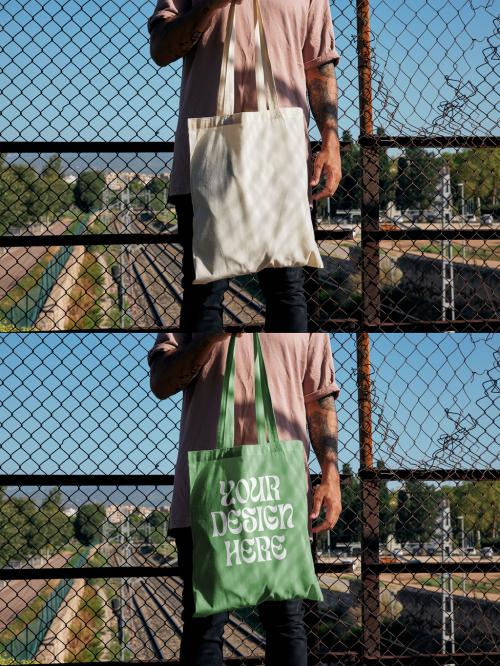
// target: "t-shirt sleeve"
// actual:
[[167, 9], [319, 377], [165, 343], [319, 45]]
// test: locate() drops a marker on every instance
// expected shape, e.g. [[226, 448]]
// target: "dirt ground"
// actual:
[[17, 594], [17, 261]]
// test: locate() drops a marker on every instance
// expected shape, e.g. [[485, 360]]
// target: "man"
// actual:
[[303, 389], [303, 57]]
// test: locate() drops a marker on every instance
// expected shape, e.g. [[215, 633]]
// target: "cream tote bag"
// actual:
[[249, 179]]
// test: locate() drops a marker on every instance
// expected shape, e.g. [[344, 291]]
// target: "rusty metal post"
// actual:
[[370, 169], [370, 641]]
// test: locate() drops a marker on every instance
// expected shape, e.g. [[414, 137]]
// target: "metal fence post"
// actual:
[[370, 304], [370, 640]]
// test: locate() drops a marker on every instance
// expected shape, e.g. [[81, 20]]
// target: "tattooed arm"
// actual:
[[174, 37], [323, 433], [174, 371], [323, 99]]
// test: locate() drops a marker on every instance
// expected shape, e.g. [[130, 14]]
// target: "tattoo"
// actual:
[[323, 429], [323, 96]]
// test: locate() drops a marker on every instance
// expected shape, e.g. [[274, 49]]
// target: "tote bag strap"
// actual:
[[262, 386], [266, 421], [266, 86]]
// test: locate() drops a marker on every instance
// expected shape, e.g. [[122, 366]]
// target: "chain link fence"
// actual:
[[409, 240], [410, 243], [410, 573]]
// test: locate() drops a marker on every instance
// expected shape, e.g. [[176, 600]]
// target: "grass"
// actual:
[[27, 282], [86, 293], [84, 641], [27, 615], [470, 586], [458, 250]]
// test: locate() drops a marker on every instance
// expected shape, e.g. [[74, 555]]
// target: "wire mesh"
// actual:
[[89, 461], [89, 242], [409, 239]]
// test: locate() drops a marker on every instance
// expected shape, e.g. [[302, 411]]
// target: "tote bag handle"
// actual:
[[264, 412], [266, 86]]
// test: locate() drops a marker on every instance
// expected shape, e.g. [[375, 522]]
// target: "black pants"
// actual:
[[201, 643], [202, 305]]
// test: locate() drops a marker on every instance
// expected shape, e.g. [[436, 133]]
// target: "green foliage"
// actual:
[[479, 170], [158, 188], [28, 196], [157, 518], [88, 190], [417, 177], [416, 511], [348, 527], [88, 524], [479, 503], [26, 528]]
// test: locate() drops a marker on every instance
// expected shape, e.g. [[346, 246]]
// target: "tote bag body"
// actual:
[[249, 511], [249, 177]]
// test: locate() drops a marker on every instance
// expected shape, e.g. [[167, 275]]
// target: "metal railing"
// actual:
[[410, 245]]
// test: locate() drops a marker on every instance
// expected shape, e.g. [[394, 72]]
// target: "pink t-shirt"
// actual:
[[299, 367], [300, 35]]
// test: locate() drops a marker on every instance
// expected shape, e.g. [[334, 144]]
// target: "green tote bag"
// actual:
[[248, 508]]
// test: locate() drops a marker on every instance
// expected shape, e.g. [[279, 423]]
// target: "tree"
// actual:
[[416, 512], [157, 520], [88, 523], [417, 177], [479, 170], [348, 194], [478, 502], [88, 190], [157, 187], [386, 512], [56, 195], [387, 179], [54, 526], [348, 527]]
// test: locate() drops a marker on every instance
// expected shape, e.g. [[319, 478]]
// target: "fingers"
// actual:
[[317, 169], [333, 509], [319, 494], [331, 185], [330, 167], [322, 527]]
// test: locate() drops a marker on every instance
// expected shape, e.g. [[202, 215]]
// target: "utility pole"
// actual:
[[447, 607], [443, 199], [462, 546], [125, 219], [462, 215]]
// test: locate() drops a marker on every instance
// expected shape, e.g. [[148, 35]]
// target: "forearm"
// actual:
[[323, 100], [171, 40], [173, 372], [323, 433]]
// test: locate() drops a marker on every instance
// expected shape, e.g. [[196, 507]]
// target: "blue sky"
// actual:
[[80, 403], [82, 71]]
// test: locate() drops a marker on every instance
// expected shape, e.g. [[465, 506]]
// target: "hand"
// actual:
[[327, 162], [326, 495]]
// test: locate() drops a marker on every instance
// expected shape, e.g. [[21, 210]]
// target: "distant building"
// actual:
[[119, 180], [118, 513]]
